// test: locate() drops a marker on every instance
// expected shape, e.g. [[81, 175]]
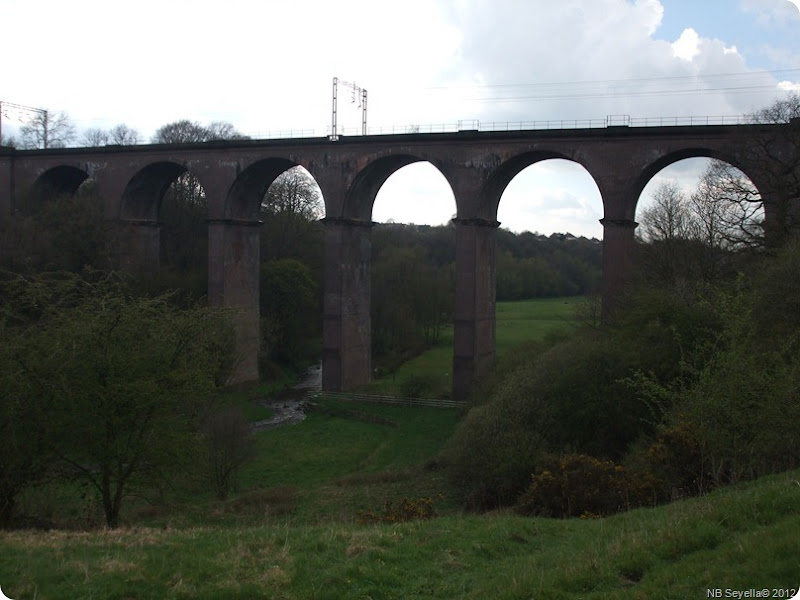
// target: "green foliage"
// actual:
[[731, 410], [416, 386], [536, 266], [114, 380], [289, 309], [407, 509], [412, 299], [493, 452], [578, 485], [742, 537], [413, 285], [56, 232], [675, 460]]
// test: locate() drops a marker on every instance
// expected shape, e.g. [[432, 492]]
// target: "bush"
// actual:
[[581, 485], [733, 412], [408, 509], [416, 386], [229, 445], [490, 457]]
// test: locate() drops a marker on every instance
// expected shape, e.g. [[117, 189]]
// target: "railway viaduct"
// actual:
[[131, 180]]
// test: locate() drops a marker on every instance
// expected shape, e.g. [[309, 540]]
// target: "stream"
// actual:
[[288, 406]]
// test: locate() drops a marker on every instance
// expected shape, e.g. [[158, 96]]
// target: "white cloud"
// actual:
[[268, 65], [773, 13], [687, 46]]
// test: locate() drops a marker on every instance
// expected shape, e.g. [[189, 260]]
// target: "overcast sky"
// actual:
[[267, 66]]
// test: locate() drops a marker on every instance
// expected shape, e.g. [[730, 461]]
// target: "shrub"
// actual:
[[490, 457], [581, 485], [675, 459], [416, 386], [408, 509], [733, 411], [230, 444]]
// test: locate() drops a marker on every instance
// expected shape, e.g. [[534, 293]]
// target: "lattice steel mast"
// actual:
[[362, 103]]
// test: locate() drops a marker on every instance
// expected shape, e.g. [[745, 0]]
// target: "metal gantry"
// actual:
[[362, 103]]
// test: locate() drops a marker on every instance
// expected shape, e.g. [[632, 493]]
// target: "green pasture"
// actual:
[[738, 538], [516, 322]]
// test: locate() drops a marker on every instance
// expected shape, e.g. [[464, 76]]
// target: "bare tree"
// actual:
[[776, 154], [220, 130], [668, 217], [727, 211], [94, 137], [292, 203], [47, 130], [294, 192], [123, 135]]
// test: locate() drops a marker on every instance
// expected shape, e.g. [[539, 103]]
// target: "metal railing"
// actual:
[[475, 125], [471, 125]]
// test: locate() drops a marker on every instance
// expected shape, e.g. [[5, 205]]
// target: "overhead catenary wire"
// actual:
[[680, 85], [577, 82]]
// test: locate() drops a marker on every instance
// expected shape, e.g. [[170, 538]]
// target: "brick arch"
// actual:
[[655, 167], [501, 177], [56, 181], [141, 198], [361, 194], [245, 195], [62, 179]]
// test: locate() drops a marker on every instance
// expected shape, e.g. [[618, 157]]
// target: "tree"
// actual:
[[668, 217], [727, 209], [289, 308], [289, 209], [186, 131], [94, 137], [776, 154], [123, 135], [220, 130], [180, 132], [54, 231], [183, 206], [694, 238], [116, 381], [47, 130], [229, 445]]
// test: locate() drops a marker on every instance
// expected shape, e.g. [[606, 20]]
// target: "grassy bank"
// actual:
[[302, 524], [738, 538]]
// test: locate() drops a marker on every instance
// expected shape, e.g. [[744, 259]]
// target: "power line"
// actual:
[[630, 80], [618, 94]]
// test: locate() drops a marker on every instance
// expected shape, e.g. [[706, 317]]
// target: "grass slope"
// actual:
[[739, 538], [293, 531]]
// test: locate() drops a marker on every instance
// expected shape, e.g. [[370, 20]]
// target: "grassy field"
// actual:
[[294, 532], [302, 526], [516, 322]]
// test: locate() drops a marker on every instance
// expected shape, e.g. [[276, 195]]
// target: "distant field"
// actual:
[[525, 320], [516, 322]]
